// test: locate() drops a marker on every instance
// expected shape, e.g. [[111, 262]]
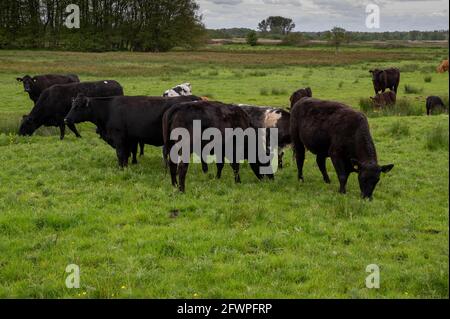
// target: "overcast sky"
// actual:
[[320, 15]]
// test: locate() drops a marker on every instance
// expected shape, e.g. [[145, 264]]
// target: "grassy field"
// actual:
[[66, 202]]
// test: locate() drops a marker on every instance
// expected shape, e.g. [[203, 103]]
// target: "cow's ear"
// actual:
[[356, 165], [387, 168], [19, 79]]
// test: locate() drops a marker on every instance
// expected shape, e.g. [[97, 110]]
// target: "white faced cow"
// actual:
[[184, 89]]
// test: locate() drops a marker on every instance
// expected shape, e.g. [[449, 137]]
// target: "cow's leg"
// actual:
[[134, 150], [204, 166], [220, 165], [322, 163], [300, 159], [182, 171], [62, 130], [142, 146], [342, 173], [280, 158], [255, 168], [74, 129], [173, 173], [237, 176]]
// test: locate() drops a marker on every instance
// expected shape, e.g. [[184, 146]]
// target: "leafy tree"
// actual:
[[276, 25], [336, 37], [252, 38], [135, 25]]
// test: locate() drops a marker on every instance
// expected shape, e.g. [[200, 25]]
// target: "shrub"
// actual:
[[252, 38], [409, 89], [437, 138], [428, 79], [293, 39]]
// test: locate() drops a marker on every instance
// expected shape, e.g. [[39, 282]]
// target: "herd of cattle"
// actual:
[[325, 128]]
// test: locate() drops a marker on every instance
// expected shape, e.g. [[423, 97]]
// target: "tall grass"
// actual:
[[437, 138], [398, 129], [410, 89], [428, 79], [403, 107]]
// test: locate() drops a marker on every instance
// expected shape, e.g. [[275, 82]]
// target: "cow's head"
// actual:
[[369, 176], [80, 111], [299, 94], [28, 83], [28, 126], [375, 74]]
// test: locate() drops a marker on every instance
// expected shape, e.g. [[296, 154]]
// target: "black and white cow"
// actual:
[[269, 117], [184, 89]]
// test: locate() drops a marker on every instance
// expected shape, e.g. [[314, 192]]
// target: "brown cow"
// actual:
[[443, 67], [384, 99]]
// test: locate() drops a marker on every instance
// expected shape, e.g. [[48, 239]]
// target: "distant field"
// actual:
[[67, 202]]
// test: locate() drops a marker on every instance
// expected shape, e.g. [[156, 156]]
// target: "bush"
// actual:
[[428, 79], [409, 89], [437, 138], [293, 39], [252, 38]]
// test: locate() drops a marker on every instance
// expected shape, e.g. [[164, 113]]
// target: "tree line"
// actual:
[[105, 25]]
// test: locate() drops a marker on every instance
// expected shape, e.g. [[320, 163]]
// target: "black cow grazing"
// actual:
[[332, 129], [125, 121], [34, 86], [434, 102], [55, 102], [299, 94], [269, 117], [212, 115], [384, 99], [385, 79]]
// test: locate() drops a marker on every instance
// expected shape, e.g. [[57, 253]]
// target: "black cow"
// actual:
[[385, 79], [34, 86], [125, 121], [212, 115], [269, 117], [434, 102], [332, 129], [55, 102], [299, 94]]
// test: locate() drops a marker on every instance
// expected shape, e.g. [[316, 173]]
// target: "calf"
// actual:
[[34, 86], [55, 102], [332, 129], [443, 67], [184, 89], [299, 94], [434, 102], [125, 121], [212, 115], [385, 79], [384, 99], [268, 117]]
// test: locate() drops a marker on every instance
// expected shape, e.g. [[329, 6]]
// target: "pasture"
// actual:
[[133, 235]]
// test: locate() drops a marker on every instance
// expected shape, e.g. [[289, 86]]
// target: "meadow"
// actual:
[[134, 236]]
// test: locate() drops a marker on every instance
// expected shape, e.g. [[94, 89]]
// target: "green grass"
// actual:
[[66, 202]]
